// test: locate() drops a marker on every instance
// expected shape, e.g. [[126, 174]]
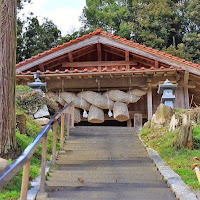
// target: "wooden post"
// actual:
[[99, 55], [196, 169], [43, 164], [156, 64], [54, 143], [25, 180], [68, 121], [186, 94], [127, 59], [72, 116], [62, 131], [149, 100], [129, 123], [138, 122]]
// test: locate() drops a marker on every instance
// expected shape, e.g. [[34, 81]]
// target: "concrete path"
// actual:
[[107, 163]]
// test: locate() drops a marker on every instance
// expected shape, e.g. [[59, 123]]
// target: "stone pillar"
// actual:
[[129, 123], [138, 122]]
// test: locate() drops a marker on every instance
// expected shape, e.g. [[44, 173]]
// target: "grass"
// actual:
[[12, 190], [180, 160]]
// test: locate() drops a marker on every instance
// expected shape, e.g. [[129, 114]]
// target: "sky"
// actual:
[[64, 13]]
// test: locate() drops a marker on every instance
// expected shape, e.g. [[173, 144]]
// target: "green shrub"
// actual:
[[32, 127], [196, 136], [23, 89], [180, 160]]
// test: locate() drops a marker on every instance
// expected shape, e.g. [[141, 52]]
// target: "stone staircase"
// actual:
[[107, 163]]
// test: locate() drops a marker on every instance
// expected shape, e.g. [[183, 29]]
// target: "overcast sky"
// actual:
[[64, 13]]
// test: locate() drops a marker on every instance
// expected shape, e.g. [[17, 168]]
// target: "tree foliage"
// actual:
[[34, 37], [172, 25], [169, 25]]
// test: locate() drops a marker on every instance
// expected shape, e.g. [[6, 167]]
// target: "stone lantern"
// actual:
[[37, 85], [168, 93]]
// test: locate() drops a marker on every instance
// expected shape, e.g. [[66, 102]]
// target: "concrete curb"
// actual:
[[181, 190]]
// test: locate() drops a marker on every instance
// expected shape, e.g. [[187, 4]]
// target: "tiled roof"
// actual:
[[99, 31]]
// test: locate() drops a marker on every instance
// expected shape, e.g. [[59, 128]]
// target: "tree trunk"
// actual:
[[7, 76]]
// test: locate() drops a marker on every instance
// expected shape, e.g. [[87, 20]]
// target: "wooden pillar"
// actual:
[[149, 100], [25, 180], [138, 122], [186, 94], [54, 143], [68, 121], [129, 123], [43, 164], [62, 131]]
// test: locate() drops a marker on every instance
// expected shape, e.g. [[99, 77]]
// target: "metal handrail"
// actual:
[[11, 170]]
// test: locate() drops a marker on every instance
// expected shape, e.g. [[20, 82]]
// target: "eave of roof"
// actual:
[[95, 71]]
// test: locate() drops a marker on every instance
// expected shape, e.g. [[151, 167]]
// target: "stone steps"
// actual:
[[117, 193], [105, 163]]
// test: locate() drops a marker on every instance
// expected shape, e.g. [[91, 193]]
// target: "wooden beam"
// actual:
[[113, 52], [84, 53], [84, 49], [98, 63], [48, 78], [149, 100], [54, 65], [70, 56], [91, 83], [127, 59]]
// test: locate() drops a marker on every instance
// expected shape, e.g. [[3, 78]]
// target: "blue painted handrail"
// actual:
[[11, 170]]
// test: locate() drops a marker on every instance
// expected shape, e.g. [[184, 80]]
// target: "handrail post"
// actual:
[[62, 131], [43, 164], [68, 120], [72, 115], [25, 180], [54, 143]]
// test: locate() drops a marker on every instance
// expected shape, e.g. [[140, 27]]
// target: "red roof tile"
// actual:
[[85, 70], [95, 70]]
